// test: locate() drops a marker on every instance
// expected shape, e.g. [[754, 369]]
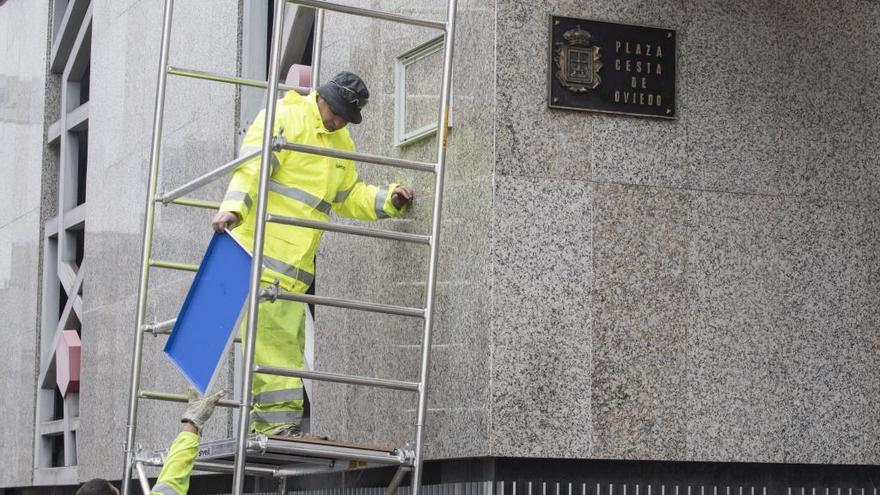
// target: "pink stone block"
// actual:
[[299, 75], [67, 362]]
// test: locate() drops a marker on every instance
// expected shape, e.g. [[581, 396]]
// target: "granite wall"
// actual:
[[609, 287], [395, 273], [703, 289], [23, 34], [612, 287], [199, 135]]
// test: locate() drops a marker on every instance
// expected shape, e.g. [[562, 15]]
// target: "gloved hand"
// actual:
[[402, 196], [224, 220], [200, 408]]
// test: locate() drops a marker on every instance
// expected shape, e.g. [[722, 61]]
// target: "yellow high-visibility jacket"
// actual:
[[174, 477], [302, 186]]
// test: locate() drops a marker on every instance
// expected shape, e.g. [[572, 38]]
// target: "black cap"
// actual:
[[346, 94]]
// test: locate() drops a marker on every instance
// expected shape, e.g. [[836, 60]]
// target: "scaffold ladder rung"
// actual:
[[226, 467], [172, 265], [200, 181], [239, 81], [165, 328], [337, 452], [161, 396], [253, 469], [338, 378], [351, 229], [375, 14], [347, 303], [196, 203], [358, 157]]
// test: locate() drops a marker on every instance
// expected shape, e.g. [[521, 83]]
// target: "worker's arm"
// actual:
[[356, 199], [242, 191], [174, 478]]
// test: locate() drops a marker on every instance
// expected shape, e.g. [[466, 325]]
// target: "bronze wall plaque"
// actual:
[[613, 68]]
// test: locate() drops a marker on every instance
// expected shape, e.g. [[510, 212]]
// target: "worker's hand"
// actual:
[[200, 408], [402, 196], [224, 220]]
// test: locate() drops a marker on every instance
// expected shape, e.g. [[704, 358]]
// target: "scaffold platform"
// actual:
[[281, 456]]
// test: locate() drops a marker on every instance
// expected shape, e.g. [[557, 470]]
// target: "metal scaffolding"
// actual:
[[248, 454]]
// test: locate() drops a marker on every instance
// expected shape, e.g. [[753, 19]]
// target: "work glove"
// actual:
[[224, 220], [402, 196], [200, 408]]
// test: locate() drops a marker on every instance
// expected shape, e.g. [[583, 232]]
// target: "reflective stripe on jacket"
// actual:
[[302, 186], [174, 477]]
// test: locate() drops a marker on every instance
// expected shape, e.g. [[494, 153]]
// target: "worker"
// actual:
[[174, 477], [302, 186]]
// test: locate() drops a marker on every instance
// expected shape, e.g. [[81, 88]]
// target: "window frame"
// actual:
[[402, 137]]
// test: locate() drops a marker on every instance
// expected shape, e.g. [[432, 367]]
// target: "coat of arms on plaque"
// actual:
[[578, 61]]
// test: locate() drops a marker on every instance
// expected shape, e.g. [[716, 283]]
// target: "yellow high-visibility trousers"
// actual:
[[281, 337]]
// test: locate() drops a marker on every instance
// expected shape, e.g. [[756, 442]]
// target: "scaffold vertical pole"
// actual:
[[257, 261], [317, 42], [146, 251], [442, 139]]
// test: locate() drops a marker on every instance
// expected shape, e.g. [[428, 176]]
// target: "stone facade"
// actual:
[[726, 309], [199, 129], [23, 29], [395, 273], [703, 289]]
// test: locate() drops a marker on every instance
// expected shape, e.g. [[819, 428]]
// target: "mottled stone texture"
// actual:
[[19, 257], [23, 42], [639, 302], [541, 342], [731, 301], [199, 131], [792, 371], [459, 415], [735, 406]]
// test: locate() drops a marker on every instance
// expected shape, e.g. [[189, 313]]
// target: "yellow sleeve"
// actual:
[[174, 477], [356, 199], [242, 191]]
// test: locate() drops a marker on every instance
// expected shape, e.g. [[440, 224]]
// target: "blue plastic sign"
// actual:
[[204, 327]]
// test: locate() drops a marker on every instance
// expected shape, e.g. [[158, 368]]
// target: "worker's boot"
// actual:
[[286, 430], [292, 431]]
